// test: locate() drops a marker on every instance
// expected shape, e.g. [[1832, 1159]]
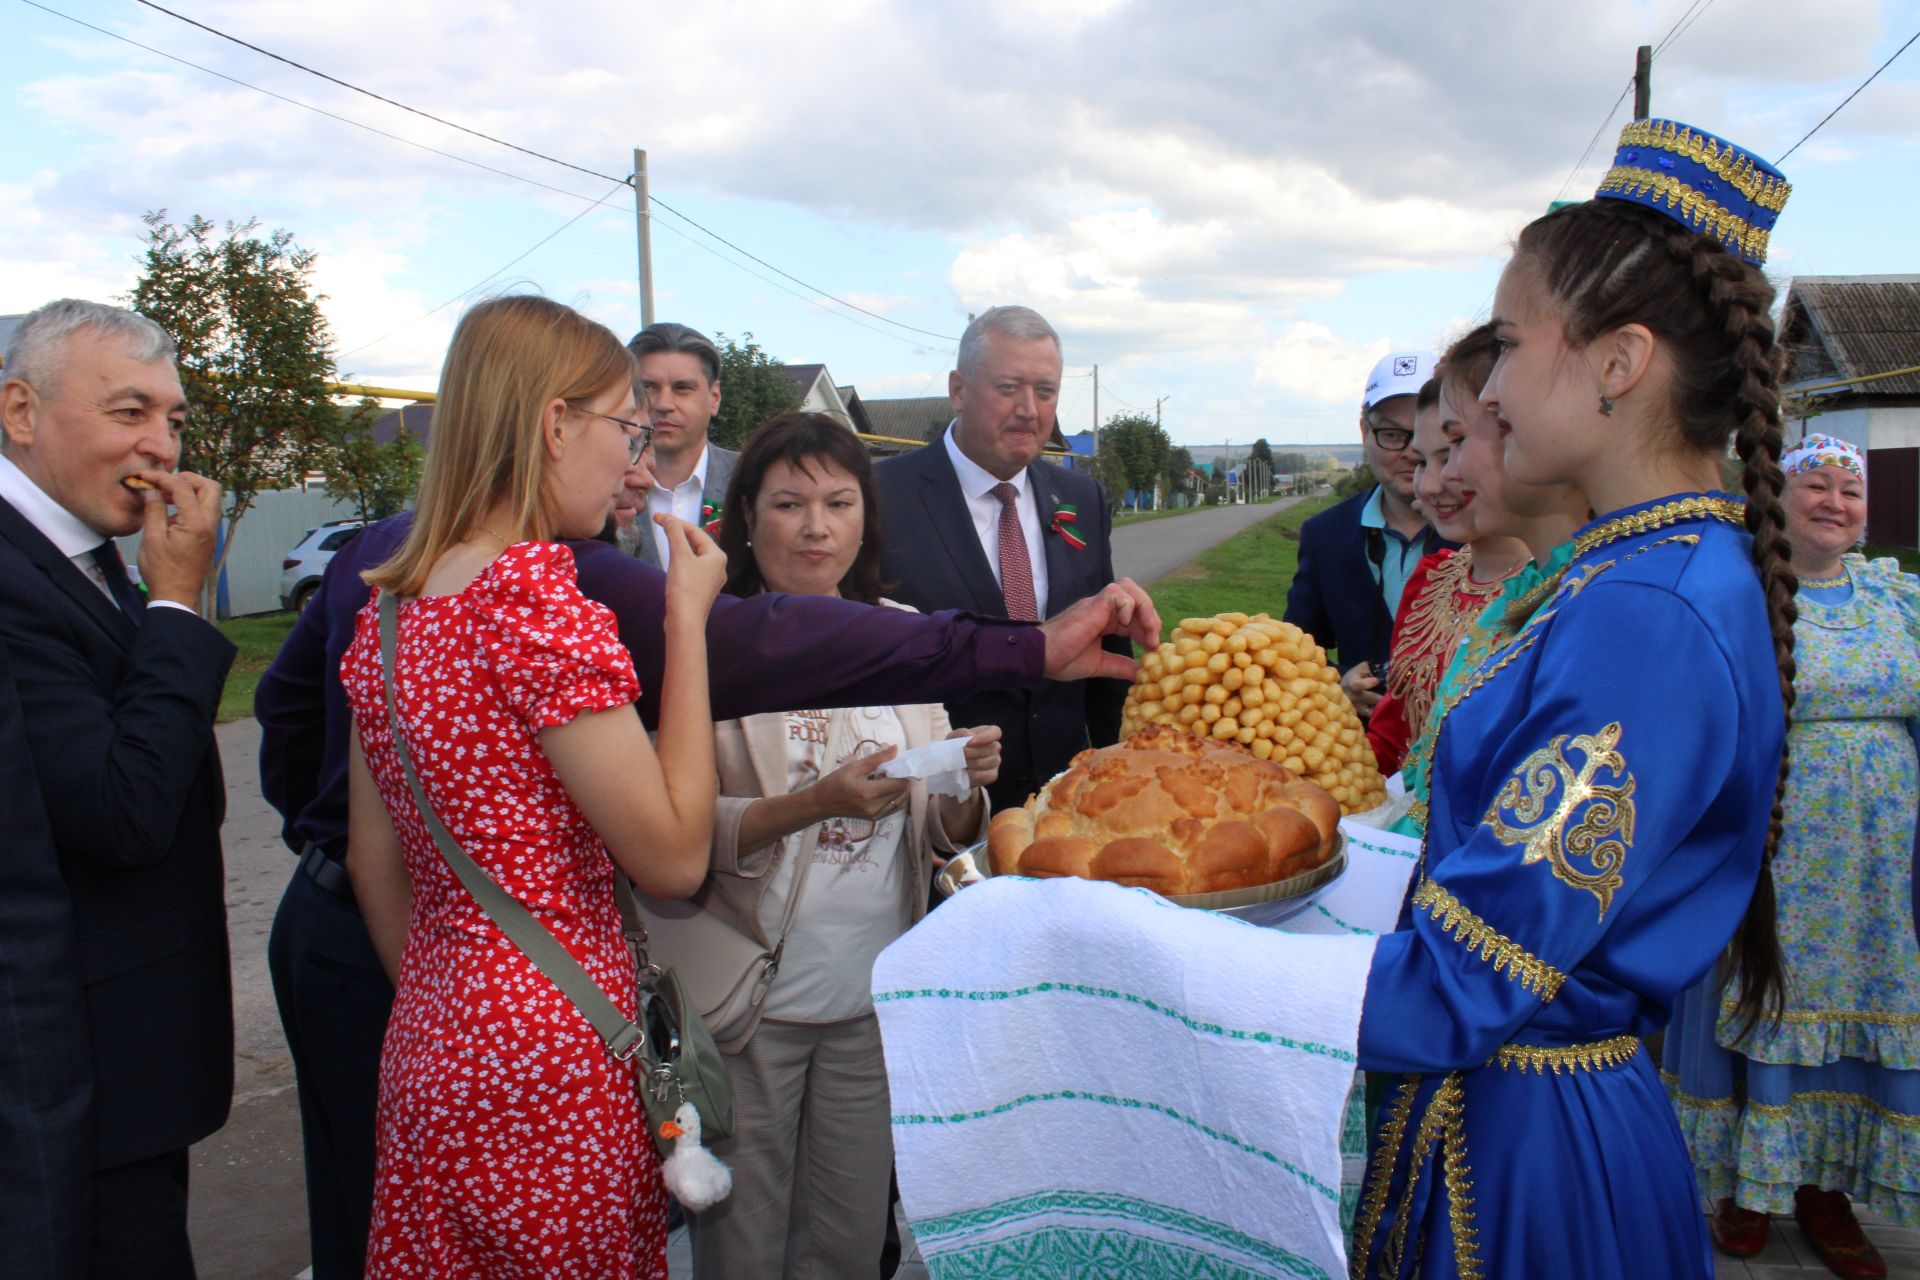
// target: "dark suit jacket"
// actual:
[[1335, 596], [46, 1086], [768, 653], [934, 558], [120, 723]]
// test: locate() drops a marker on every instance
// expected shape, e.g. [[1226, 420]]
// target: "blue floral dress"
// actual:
[[1830, 1096]]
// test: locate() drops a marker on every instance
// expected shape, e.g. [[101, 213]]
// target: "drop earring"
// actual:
[[1606, 407]]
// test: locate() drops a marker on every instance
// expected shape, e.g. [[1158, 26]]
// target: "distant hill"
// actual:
[[1346, 455]]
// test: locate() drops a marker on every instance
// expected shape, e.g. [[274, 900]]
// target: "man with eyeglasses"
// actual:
[[680, 381], [1356, 557]]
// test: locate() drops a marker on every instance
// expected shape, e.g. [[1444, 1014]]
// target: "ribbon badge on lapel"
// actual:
[[710, 518], [1064, 518]]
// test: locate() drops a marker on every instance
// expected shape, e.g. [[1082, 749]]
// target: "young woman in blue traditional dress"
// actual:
[[1599, 822], [1825, 1103]]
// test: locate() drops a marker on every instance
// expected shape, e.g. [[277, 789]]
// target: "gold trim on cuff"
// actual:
[[1506, 955]]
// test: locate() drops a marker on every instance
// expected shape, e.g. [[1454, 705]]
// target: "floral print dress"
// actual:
[[510, 1143], [1831, 1095]]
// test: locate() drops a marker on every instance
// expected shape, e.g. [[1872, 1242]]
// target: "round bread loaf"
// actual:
[[1166, 811]]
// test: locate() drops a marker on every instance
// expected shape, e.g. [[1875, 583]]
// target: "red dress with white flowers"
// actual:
[[511, 1144]]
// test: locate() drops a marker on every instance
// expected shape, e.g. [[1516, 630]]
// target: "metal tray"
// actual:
[[1266, 904]]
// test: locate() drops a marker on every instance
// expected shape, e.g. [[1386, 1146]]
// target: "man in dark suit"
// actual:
[[975, 520], [46, 1087], [1356, 556], [118, 699], [680, 385], [767, 653]]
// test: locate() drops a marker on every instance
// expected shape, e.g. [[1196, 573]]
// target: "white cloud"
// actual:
[[1312, 362]]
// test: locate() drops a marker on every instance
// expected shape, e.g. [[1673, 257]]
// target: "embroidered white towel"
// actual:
[[1365, 900], [1087, 1079]]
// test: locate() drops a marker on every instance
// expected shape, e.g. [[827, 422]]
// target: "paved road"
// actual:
[[249, 1207], [1154, 548]]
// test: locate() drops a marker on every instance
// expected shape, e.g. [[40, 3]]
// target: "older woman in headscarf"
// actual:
[[1824, 1105]]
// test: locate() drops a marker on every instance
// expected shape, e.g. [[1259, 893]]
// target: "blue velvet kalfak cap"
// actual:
[[1704, 183]]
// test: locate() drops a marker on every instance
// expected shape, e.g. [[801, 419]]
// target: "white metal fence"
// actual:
[[273, 526]]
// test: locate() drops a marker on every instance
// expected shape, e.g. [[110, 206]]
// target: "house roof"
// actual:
[[925, 417], [801, 377], [1854, 326]]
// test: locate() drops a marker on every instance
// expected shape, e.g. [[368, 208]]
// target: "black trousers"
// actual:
[[138, 1229], [334, 1000]]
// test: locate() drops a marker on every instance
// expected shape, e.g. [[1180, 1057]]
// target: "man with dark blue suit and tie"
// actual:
[[117, 699], [46, 1090], [976, 520]]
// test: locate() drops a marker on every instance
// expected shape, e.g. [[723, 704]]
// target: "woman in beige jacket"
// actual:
[[836, 860]]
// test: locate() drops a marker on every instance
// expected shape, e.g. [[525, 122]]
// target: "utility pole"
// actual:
[[646, 236], [1096, 411], [1643, 82]]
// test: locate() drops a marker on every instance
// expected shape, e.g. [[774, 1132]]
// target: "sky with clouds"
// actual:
[[1231, 207]]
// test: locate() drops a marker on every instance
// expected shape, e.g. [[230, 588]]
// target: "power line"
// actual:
[[1594, 140], [305, 106], [1673, 36], [1673, 32], [944, 337], [540, 155], [497, 271], [1849, 98], [425, 115]]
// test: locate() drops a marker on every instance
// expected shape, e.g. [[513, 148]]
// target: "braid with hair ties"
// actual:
[[1726, 285], [1604, 261]]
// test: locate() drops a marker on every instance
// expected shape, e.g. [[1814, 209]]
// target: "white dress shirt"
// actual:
[[682, 500], [977, 484], [62, 528]]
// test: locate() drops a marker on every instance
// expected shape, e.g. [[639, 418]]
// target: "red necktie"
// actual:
[[1016, 571]]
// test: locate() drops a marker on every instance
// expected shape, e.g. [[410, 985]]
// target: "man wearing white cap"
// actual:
[[1355, 557]]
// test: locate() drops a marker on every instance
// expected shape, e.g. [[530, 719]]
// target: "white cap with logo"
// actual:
[[1398, 374]]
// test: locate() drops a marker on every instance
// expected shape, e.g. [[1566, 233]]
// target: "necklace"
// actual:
[[1822, 584], [505, 542]]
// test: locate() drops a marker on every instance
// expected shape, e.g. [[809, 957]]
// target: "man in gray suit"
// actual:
[[680, 380]]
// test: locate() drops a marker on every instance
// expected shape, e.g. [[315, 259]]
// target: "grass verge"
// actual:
[[258, 639], [1248, 573]]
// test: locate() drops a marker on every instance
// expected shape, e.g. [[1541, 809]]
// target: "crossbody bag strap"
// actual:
[[623, 1037]]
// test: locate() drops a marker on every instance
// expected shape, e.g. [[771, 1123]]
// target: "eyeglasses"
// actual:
[[1392, 439], [639, 434]]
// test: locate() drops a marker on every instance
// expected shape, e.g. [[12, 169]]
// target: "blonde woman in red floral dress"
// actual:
[[510, 1142], [1446, 591]]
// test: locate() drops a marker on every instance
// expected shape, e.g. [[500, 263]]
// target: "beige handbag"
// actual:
[[727, 973]]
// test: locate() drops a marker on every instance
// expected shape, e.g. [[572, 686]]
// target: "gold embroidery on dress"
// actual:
[[1430, 631], [1506, 955], [1440, 1107], [1595, 1055], [1690, 1100], [1548, 790], [1458, 1176], [1777, 1111], [1386, 1157], [1867, 1016]]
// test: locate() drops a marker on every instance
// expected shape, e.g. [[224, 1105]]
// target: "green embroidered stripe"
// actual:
[[1128, 1104], [1350, 928], [1127, 997], [1092, 1204]]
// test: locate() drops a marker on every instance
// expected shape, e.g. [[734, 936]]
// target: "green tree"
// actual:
[[753, 388], [1179, 471], [1262, 452], [1140, 446], [1355, 481], [1292, 464], [255, 353], [1107, 469], [380, 479]]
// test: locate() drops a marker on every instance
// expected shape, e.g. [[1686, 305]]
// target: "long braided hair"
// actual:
[[1612, 262]]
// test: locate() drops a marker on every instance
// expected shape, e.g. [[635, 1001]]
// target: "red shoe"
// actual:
[[1827, 1218], [1739, 1232]]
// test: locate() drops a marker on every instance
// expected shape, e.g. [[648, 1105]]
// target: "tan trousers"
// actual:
[[811, 1154]]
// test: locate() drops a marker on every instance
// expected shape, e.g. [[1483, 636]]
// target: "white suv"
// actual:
[[300, 571]]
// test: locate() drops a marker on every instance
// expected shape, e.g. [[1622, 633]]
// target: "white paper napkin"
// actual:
[[943, 764]]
